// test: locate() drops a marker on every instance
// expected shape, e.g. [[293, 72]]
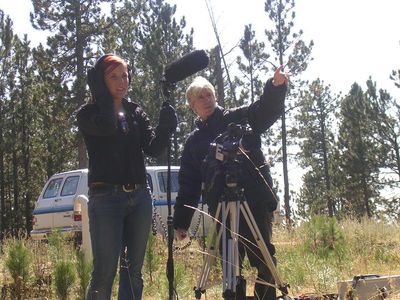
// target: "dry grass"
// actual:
[[369, 248]]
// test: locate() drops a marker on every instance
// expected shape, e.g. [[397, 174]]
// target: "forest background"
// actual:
[[346, 143]]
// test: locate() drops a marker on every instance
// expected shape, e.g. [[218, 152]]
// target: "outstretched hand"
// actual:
[[280, 77]]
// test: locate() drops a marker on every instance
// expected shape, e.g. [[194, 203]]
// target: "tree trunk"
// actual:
[[81, 80], [366, 198], [326, 171], [16, 208], [219, 77], [82, 157], [397, 152], [2, 194], [286, 195], [285, 173]]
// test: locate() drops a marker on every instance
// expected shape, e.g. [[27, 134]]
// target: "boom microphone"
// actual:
[[186, 66]]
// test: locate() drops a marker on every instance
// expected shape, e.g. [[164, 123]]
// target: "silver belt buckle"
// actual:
[[127, 190]]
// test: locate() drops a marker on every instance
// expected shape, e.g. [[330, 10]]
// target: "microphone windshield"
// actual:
[[186, 66]]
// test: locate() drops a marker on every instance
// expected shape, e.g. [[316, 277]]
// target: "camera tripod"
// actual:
[[230, 206]]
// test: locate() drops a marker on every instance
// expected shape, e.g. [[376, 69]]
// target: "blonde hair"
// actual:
[[198, 85]]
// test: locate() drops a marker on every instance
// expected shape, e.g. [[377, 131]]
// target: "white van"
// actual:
[[57, 208]]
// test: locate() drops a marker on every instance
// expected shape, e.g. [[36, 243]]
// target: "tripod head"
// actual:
[[227, 144]]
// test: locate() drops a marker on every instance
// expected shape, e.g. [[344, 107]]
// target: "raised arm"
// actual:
[[264, 112]]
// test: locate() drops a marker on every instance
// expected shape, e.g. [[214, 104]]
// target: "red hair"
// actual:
[[110, 62]]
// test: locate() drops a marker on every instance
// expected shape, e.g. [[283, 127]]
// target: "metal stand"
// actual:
[[167, 89], [230, 206]]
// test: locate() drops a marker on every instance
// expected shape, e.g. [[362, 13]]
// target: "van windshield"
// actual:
[[162, 179], [52, 188], [70, 186]]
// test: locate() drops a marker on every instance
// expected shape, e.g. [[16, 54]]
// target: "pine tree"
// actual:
[[281, 41], [16, 136], [22, 135], [384, 114], [358, 152], [6, 38], [75, 27], [251, 66], [315, 122], [26, 115]]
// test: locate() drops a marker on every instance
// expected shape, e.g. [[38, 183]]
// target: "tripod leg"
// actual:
[[233, 261], [231, 247], [261, 244], [237, 254], [223, 245], [212, 249], [230, 251], [228, 254]]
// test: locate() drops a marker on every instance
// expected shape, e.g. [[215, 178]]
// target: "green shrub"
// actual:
[[57, 246], [17, 262], [64, 279], [291, 264], [151, 259], [324, 237], [83, 269]]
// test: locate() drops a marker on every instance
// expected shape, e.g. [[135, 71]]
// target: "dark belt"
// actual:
[[116, 188]]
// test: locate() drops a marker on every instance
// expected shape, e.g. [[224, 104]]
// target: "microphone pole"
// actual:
[[167, 88], [174, 72]]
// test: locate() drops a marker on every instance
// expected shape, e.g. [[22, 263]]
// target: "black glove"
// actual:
[[168, 119]]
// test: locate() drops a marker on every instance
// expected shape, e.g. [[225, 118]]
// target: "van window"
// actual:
[[162, 179], [70, 186], [52, 188]]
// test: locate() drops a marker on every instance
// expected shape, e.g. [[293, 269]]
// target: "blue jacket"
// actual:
[[260, 115]]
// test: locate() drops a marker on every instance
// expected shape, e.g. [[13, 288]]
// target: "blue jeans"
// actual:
[[116, 221]]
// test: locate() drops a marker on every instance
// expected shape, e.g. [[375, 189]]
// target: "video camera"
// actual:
[[226, 145], [235, 165], [222, 166]]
